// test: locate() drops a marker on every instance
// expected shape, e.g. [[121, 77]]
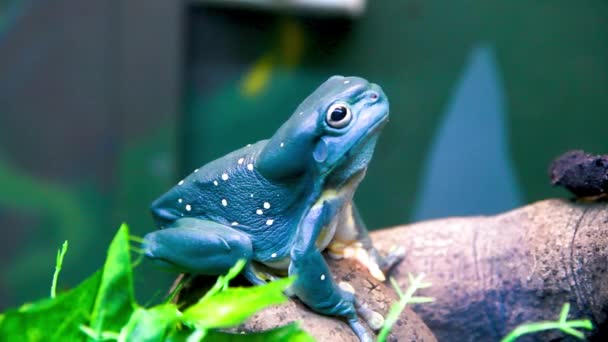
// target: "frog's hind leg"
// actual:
[[352, 241], [197, 246]]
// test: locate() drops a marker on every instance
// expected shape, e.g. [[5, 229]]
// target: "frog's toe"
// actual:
[[374, 319], [360, 330], [394, 256], [347, 287], [355, 250]]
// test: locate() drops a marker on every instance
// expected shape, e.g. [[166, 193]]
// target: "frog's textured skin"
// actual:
[[279, 202]]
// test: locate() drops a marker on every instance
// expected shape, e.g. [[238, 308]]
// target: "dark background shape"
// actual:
[[105, 104]]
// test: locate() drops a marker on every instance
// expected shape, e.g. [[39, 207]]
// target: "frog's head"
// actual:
[[332, 132]]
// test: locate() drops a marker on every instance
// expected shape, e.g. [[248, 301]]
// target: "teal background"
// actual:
[[105, 105]]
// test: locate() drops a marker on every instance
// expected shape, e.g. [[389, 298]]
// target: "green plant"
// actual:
[[58, 265], [103, 308], [404, 299], [568, 327]]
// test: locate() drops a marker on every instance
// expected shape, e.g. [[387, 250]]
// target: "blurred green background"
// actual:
[[105, 104]]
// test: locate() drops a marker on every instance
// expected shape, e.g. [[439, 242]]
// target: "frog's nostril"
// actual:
[[374, 96]]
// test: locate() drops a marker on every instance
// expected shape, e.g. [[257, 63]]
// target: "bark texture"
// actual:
[[493, 273], [489, 274], [377, 296]]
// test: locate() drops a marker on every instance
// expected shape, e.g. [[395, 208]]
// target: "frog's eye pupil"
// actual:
[[338, 116]]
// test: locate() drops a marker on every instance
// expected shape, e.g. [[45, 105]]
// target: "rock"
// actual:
[[490, 274], [376, 295], [584, 174]]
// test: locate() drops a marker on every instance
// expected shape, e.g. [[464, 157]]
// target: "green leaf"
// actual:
[[103, 308], [105, 299], [291, 332], [222, 282], [52, 319], [151, 324], [115, 300], [234, 305]]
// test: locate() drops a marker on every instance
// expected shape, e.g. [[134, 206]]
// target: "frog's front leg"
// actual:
[[352, 241], [197, 246], [314, 284]]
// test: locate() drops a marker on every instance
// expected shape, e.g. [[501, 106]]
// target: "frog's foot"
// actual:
[[374, 319], [386, 263], [259, 274], [359, 330], [256, 277], [368, 257]]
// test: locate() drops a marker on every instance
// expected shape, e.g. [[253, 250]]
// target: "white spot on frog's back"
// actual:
[[269, 222], [322, 276], [180, 200], [259, 212], [215, 183], [266, 205], [273, 255], [188, 207], [250, 167], [241, 160], [224, 202], [235, 223], [180, 182], [346, 82], [225, 176], [282, 145]]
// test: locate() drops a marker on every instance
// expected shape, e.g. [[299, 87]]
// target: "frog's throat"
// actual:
[[352, 168], [327, 166]]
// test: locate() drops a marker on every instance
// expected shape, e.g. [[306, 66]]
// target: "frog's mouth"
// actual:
[[160, 261], [151, 248], [163, 264]]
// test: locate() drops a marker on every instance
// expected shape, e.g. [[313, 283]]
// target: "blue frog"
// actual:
[[280, 202]]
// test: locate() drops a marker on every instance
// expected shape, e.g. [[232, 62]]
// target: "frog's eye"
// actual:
[[338, 115]]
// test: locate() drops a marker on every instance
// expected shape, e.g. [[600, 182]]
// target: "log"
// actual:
[[489, 274], [493, 273], [376, 295]]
